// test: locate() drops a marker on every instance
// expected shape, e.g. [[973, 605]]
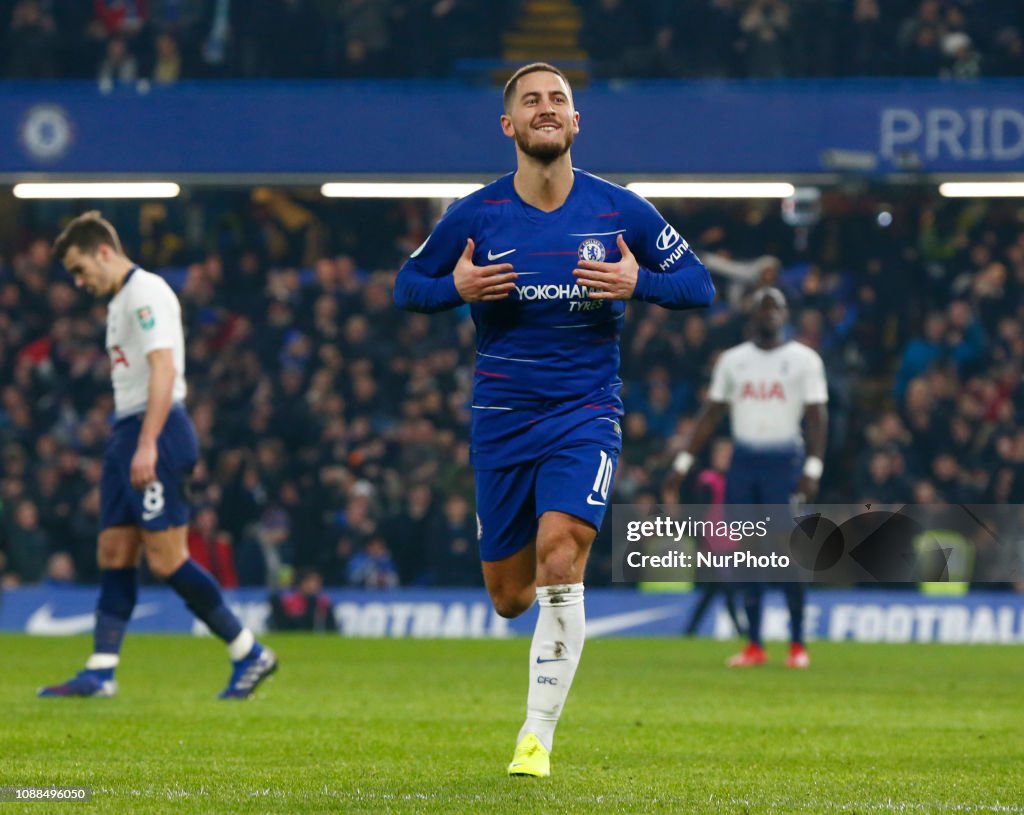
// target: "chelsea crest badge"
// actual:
[[592, 249]]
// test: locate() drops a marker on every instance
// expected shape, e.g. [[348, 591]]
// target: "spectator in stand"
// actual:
[[413, 522], [1007, 58], [947, 477], [962, 61], [661, 403], [210, 547], [1007, 484], [28, 544], [306, 607], [866, 40], [264, 550], [60, 571], [167, 67], [125, 18], [965, 338], [928, 14], [119, 66], [56, 505], [81, 543], [921, 353], [32, 44], [765, 26], [372, 567], [365, 35], [452, 545], [882, 483], [923, 57]]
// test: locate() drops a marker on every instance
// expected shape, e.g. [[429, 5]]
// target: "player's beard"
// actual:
[[546, 152]]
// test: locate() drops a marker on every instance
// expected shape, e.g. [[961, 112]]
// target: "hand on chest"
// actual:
[[544, 259], [548, 253]]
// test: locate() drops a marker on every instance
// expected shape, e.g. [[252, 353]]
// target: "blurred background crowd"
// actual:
[[334, 428], [163, 41]]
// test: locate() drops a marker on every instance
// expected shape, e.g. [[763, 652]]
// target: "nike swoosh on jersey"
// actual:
[[492, 256], [541, 661], [592, 502]]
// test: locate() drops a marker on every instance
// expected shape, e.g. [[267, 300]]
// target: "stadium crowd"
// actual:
[[162, 41], [334, 427]]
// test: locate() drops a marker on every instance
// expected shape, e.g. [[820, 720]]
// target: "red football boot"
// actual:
[[749, 657], [798, 657]]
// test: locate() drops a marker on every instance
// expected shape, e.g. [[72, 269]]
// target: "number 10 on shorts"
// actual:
[[603, 479]]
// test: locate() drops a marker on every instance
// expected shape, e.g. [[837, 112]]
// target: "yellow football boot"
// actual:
[[531, 758]]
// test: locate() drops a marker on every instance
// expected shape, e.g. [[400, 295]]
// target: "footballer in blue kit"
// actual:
[[546, 257]]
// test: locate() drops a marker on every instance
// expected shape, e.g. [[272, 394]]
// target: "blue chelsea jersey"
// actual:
[[548, 341]]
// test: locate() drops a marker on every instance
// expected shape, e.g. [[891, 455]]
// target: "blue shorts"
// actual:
[[763, 476], [574, 476], [164, 503]]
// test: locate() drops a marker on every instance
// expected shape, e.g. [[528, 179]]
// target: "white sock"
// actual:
[[241, 645], [554, 655], [102, 662]]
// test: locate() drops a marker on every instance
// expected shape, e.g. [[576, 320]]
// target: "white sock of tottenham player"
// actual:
[[554, 655]]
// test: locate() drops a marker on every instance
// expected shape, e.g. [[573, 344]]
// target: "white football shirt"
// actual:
[[767, 390], [143, 316]]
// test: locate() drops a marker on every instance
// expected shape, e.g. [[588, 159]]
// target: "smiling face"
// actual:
[[540, 116]]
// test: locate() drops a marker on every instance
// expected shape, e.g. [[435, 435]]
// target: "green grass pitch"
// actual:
[[428, 726]]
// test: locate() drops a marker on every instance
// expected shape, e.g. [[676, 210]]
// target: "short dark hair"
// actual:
[[87, 232], [533, 67], [772, 292]]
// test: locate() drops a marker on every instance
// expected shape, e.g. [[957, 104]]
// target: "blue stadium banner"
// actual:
[[628, 128], [838, 615]]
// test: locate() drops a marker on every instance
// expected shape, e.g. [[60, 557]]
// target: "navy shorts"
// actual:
[[164, 503], [574, 475], [763, 476]]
